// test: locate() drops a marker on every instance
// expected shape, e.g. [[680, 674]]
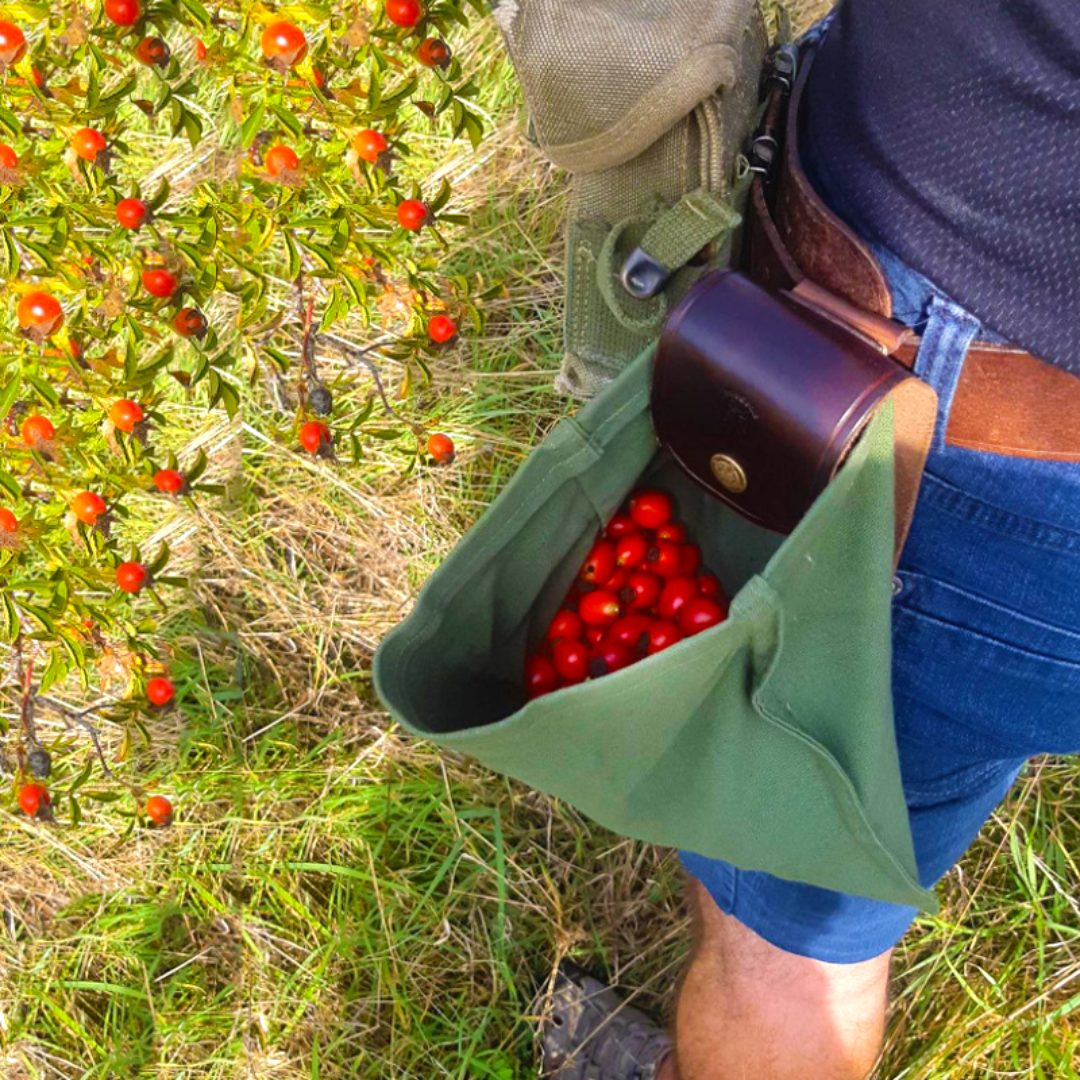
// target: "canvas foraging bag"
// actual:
[[647, 106]]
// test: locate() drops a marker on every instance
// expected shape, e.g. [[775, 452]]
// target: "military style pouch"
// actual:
[[647, 106], [766, 741]]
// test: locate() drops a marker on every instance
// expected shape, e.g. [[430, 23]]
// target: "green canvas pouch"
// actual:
[[766, 741]]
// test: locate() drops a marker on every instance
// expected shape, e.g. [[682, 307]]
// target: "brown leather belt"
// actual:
[[1007, 401]]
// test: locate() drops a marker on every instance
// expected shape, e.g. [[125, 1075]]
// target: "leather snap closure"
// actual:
[[729, 472]]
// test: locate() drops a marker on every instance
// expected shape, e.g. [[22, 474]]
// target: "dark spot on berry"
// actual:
[[597, 667]]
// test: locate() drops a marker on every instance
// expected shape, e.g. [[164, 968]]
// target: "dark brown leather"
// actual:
[[774, 388], [1008, 401]]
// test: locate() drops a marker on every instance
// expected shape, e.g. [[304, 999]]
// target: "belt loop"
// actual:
[[940, 360]]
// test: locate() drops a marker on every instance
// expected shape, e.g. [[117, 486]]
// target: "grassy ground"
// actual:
[[338, 900]]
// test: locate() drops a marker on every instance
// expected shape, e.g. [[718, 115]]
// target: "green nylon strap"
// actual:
[[650, 313], [680, 233]]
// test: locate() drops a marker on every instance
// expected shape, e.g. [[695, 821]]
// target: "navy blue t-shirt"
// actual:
[[952, 128]]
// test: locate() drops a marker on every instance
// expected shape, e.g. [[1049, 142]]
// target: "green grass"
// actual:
[[339, 901]]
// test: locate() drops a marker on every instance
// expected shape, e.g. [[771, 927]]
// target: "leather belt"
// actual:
[[1007, 400]]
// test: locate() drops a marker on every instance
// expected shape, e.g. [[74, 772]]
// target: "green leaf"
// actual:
[[193, 128], [93, 89], [252, 124], [197, 468], [56, 670], [10, 122], [42, 387], [10, 484], [160, 560], [9, 619], [12, 264], [160, 196], [294, 256], [197, 12], [287, 119], [9, 394], [111, 101]]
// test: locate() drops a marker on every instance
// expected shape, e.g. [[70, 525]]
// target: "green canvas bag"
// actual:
[[766, 741]]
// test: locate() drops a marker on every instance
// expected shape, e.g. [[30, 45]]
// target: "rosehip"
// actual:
[[651, 509], [40, 311], [691, 560], [280, 157], [159, 283], [664, 558], [36, 429], [160, 691], [631, 550], [566, 624], [33, 798], [441, 329], [621, 525], [616, 581], [8, 158], [125, 414], [700, 614], [131, 213], [662, 635], [8, 521], [672, 531], [12, 43], [153, 52], [169, 481], [540, 676], [599, 564], [709, 585], [284, 42], [412, 214], [369, 144], [599, 608], [88, 507], [190, 322], [434, 52], [594, 634], [642, 590], [314, 436], [632, 631], [131, 577], [441, 448], [123, 12], [676, 593], [404, 12], [571, 659], [608, 656], [159, 810], [88, 143]]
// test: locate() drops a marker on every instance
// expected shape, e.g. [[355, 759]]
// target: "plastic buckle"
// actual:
[[764, 150], [783, 66], [642, 276]]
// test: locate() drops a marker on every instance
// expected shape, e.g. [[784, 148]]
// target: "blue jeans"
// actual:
[[986, 641]]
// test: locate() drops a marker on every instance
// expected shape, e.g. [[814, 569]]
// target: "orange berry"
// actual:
[[160, 691], [131, 213], [40, 311], [441, 329], [8, 521], [369, 144], [33, 798], [125, 414], [87, 506], [8, 158], [159, 810], [131, 576], [123, 12], [200, 50], [441, 448], [280, 157], [169, 481], [36, 428], [190, 322], [285, 42], [412, 214], [88, 143], [159, 283], [153, 52], [12, 43], [314, 436], [405, 13], [434, 52]]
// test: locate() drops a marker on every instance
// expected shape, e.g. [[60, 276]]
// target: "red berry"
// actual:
[[280, 157], [190, 322], [662, 635], [691, 559], [160, 691], [677, 592], [571, 659], [88, 507], [709, 585], [33, 797], [314, 436], [159, 810], [88, 143], [599, 564], [616, 581], [159, 283], [599, 608], [35, 429], [8, 158], [284, 42], [434, 52], [123, 12], [405, 13], [594, 634], [566, 624], [642, 590], [8, 521], [131, 576], [672, 531], [412, 214], [540, 676], [631, 550], [651, 509], [153, 52], [200, 50], [369, 144], [131, 213], [608, 656], [632, 631], [441, 448], [125, 414], [169, 481], [700, 614], [621, 525], [441, 329], [40, 311], [664, 558], [12, 43]]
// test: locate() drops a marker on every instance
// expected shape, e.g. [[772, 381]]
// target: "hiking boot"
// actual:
[[590, 1033]]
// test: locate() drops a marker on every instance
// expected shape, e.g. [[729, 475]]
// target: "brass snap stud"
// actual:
[[729, 472]]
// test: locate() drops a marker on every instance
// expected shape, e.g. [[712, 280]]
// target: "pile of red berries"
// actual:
[[641, 589]]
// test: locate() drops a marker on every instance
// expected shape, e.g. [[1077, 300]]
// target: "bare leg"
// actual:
[[749, 1011]]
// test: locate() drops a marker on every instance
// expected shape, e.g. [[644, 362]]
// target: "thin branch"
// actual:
[[78, 716]]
